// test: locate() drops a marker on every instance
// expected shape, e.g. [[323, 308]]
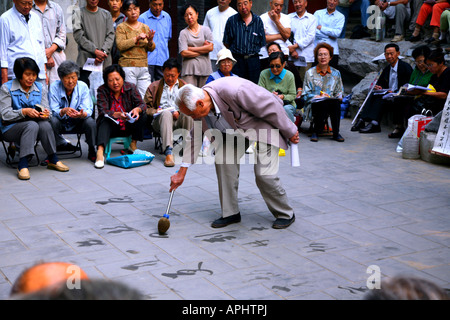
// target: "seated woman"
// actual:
[[440, 81], [225, 61], [290, 66], [280, 82], [435, 9], [420, 77], [323, 81], [134, 39], [72, 107], [21, 122], [117, 101]]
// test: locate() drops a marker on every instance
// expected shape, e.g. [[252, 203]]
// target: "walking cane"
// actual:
[[372, 85]]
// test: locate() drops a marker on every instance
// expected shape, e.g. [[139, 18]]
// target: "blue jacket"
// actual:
[[81, 99], [19, 100]]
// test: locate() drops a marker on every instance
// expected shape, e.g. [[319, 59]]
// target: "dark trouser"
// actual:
[[320, 112], [376, 106], [247, 67], [84, 76], [86, 126], [107, 129], [155, 72], [26, 133]]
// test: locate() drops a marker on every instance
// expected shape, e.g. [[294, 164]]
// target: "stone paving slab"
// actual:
[[357, 204]]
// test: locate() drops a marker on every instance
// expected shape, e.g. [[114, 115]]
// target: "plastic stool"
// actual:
[[125, 140]]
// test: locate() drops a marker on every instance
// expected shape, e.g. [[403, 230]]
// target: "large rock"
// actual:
[[356, 55]]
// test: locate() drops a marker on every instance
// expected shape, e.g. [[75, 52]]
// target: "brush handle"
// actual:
[[166, 215]]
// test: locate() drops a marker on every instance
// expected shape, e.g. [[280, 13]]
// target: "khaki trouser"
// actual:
[[164, 124], [266, 177]]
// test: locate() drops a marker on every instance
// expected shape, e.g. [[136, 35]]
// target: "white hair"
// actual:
[[189, 95]]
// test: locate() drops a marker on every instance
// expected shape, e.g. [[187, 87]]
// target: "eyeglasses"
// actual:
[[420, 61], [273, 66], [323, 55]]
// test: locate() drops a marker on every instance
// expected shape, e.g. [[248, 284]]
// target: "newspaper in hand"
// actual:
[[91, 66]]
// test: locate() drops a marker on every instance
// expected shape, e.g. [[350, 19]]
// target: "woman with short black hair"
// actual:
[[24, 116], [195, 43], [117, 101], [134, 40], [280, 82], [440, 80]]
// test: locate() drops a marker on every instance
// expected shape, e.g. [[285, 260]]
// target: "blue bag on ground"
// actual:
[[138, 158], [345, 105]]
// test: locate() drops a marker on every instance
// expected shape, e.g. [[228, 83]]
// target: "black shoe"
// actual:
[[430, 40], [92, 155], [397, 133], [283, 223], [358, 125], [439, 42], [223, 222], [338, 138], [68, 147], [314, 137], [414, 38], [370, 128]]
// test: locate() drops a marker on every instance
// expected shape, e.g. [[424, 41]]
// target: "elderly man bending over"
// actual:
[[232, 109]]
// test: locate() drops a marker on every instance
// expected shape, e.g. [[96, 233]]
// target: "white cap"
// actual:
[[224, 54]]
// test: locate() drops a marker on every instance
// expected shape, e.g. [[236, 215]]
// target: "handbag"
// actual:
[[416, 124], [137, 159]]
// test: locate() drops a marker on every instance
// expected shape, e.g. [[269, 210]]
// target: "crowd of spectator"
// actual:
[[295, 56]]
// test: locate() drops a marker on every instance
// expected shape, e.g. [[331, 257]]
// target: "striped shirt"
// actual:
[[244, 39]]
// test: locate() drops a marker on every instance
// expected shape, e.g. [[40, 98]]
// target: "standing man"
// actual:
[[244, 36], [54, 29], [330, 23], [21, 36], [160, 21], [303, 26], [277, 28], [215, 19], [235, 108], [347, 6], [94, 32]]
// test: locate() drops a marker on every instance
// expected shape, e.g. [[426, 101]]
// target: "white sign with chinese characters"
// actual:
[[442, 142]]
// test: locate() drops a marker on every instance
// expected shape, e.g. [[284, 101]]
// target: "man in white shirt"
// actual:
[[277, 27], [330, 23], [162, 110], [54, 29], [303, 26], [21, 36], [216, 19]]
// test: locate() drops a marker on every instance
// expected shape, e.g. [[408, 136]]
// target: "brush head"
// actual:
[[163, 225]]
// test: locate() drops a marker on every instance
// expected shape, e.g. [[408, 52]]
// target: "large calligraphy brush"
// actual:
[[164, 222]]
